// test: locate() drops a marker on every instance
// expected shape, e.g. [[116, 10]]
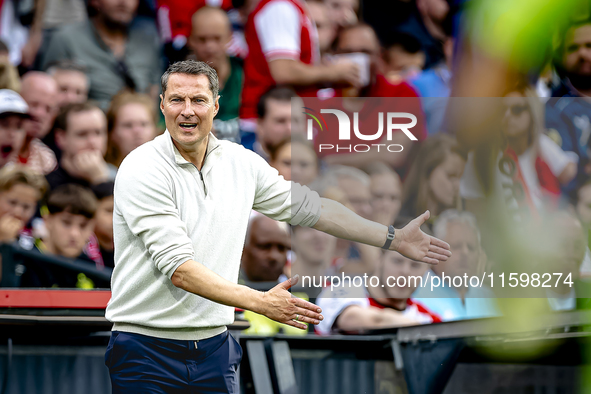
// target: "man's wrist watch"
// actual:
[[389, 238]]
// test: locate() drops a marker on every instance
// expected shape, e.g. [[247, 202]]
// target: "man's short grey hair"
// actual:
[[330, 178], [339, 172], [454, 216], [192, 67]]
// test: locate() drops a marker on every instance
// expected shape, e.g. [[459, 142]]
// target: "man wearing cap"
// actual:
[[13, 111]]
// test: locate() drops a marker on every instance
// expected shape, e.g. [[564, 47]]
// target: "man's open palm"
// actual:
[[415, 244]]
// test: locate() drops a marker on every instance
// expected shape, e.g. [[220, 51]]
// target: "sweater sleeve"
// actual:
[[144, 198], [284, 200]]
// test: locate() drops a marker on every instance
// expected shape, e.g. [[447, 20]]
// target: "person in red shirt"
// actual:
[[348, 308], [283, 50], [361, 41]]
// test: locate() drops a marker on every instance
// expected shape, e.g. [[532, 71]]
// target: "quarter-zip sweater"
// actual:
[[167, 212]]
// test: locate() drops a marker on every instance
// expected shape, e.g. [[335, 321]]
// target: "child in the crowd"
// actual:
[[69, 221], [21, 189], [100, 247]]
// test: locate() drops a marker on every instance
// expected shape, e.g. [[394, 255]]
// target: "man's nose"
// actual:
[[187, 111]]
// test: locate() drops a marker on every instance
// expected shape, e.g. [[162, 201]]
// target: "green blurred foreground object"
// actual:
[[522, 33]]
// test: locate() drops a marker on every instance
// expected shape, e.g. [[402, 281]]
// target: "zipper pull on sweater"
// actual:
[[203, 180]]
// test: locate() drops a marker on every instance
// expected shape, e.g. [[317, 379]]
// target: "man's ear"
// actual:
[[217, 106], [162, 103]]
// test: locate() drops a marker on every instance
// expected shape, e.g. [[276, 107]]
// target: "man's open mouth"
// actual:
[[188, 126]]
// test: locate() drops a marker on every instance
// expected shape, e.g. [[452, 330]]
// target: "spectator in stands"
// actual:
[[265, 251], [568, 243], [539, 165], [118, 51], [280, 158], [21, 189], [295, 159], [326, 27], [69, 222], [131, 122], [433, 182], [343, 12], [358, 258], [40, 91], [434, 84], [81, 134], [264, 259], [283, 50], [174, 23], [460, 230], [72, 82], [103, 226], [403, 57], [314, 251], [386, 193], [274, 121], [361, 41], [583, 207], [210, 36], [13, 112], [305, 165], [348, 308], [568, 121], [9, 77]]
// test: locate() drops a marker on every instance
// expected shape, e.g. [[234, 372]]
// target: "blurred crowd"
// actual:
[[79, 90]]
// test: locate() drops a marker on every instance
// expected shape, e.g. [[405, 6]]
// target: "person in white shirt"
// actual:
[[182, 205]]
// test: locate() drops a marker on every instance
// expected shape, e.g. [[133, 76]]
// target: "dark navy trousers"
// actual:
[[144, 364]]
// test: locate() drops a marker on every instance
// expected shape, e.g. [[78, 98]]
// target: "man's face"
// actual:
[[577, 51], [276, 125], [395, 265], [324, 25], [313, 247], [118, 12], [304, 164], [87, 131], [358, 196], [343, 12], [103, 227], [265, 252], [69, 233], [20, 201], [386, 197], [210, 36], [72, 85], [465, 249], [41, 95], [12, 136], [133, 127], [361, 40], [188, 106]]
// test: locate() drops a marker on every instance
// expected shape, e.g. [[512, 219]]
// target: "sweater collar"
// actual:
[[213, 144]]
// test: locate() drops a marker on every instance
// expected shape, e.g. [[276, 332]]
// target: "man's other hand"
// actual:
[[413, 243]]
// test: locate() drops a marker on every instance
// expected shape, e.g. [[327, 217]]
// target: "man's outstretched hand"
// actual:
[[281, 306], [413, 243]]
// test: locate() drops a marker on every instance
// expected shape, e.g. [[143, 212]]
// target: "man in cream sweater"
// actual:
[[182, 203]]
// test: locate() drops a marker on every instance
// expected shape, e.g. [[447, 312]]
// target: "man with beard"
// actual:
[[568, 120], [118, 50]]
